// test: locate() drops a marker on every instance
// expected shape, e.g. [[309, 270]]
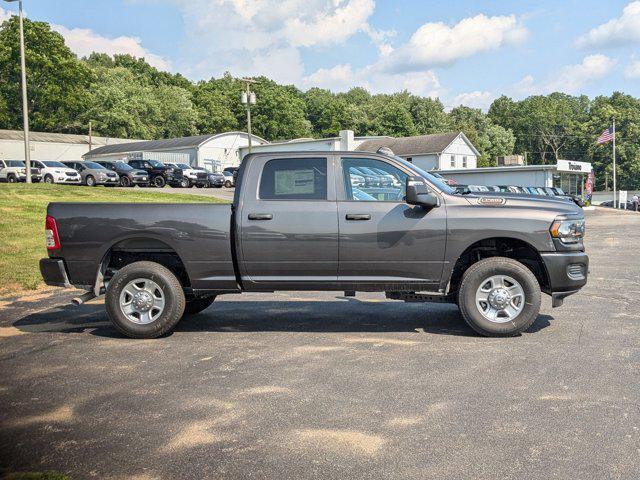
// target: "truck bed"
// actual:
[[199, 233]]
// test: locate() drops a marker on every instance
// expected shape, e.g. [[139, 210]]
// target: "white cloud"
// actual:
[[4, 14], [632, 72], [475, 99], [437, 44], [623, 30], [83, 41], [343, 77], [570, 79]]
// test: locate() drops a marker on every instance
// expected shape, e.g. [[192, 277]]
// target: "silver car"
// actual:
[[94, 174]]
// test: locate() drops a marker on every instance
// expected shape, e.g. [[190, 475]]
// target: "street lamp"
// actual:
[[25, 110], [248, 98]]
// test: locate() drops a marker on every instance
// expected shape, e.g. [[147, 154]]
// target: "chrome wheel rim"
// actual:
[[142, 301], [500, 299]]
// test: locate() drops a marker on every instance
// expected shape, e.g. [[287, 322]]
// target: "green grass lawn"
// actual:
[[22, 212]]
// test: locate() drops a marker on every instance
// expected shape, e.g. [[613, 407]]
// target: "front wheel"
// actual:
[[125, 181], [159, 181], [48, 179], [184, 183], [228, 184], [91, 182], [499, 297], [144, 300], [12, 179]]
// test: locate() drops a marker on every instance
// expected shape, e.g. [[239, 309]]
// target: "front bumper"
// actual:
[[64, 179], [54, 272], [108, 181], [567, 273]]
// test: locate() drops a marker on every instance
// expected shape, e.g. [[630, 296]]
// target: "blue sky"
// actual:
[[461, 51]]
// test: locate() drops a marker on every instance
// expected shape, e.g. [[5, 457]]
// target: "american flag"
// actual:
[[606, 136]]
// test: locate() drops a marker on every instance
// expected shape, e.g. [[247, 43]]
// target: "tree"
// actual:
[[428, 115], [57, 82], [215, 112], [329, 113]]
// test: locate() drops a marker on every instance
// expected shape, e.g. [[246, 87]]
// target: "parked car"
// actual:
[[56, 172], [94, 174], [609, 204], [234, 172], [229, 179], [159, 174], [13, 171], [129, 176], [192, 176], [214, 180], [297, 224], [449, 181]]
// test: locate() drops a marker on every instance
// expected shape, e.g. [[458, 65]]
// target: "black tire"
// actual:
[[159, 181], [198, 304], [48, 179], [90, 181], [170, 287], [185, 183], [125, 181], [201, 185], [11, 178], [228, 184], [477, 275]]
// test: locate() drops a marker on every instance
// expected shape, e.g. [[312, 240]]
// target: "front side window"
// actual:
[[369, 180], [15, 163], [156, 164], [294, 179]]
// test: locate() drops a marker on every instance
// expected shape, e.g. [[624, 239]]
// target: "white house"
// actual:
[[442, 151]]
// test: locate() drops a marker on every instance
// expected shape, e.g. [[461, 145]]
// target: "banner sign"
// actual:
[[588, 187], [573, 166]]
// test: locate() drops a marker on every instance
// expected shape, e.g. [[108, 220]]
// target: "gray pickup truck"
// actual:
[[333, 221]]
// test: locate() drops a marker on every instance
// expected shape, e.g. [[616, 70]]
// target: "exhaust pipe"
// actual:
[[83, 298]]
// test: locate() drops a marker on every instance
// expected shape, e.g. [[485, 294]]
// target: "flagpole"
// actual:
[[615, 190]]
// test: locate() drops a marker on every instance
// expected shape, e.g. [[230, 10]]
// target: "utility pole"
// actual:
[[615, 187], [90, 137], [248, 98], [25, 105]]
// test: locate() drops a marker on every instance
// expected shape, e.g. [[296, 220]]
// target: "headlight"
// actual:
[[568, 231]]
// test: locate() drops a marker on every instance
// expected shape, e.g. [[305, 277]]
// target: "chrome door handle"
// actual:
[[260, 216], [358, 216]]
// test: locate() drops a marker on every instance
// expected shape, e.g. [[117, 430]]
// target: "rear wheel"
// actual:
[[499, 297], [198, 304], [159, 181], [201, 185], [144, 300]]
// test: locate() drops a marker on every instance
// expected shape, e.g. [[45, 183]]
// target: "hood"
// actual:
[[502, 200], [138, 172]]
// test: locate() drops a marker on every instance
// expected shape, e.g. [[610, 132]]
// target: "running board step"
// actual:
[[420, 297]]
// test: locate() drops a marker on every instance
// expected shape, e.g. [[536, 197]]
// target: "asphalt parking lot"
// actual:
[[316, 385]]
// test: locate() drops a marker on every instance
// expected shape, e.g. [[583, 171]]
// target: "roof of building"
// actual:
[[60, 138], [159, 145], [419, 144]]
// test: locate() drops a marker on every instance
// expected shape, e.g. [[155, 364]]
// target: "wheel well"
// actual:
[[500, 247], [143, 249]]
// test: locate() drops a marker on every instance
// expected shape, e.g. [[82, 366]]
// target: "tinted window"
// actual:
[[156, 163], [15, 163], [381, 182], [54, 164], [123, 166], [294, 179], [94, 165]]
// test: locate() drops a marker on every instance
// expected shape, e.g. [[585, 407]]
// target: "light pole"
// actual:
[[25, 108], [248, 98]]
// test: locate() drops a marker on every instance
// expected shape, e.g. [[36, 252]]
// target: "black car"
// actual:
[[159, 174], [215, 180], [129, 176]]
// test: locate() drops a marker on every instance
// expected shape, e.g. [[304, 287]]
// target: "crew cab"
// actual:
[[297, 222], [191, 176], [159, 173], [14, 171], [128, 175]]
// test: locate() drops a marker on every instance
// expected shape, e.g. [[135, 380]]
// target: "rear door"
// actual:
[[288, 222], [384, 242]]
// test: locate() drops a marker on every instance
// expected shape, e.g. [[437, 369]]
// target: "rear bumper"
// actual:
[[567, 272], [54, 272]]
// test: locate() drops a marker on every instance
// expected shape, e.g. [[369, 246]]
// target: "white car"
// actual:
[[13, 171], [56, 172], [193, 177]]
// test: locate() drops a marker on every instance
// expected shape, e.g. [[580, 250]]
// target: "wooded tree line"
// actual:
[[126, 97]]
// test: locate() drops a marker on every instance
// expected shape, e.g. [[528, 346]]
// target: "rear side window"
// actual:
[[294, 179]]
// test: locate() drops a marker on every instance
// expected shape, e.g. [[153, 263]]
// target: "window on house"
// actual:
[[464, 162], [453, 161]]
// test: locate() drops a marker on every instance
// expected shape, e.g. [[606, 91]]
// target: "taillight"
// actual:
[[51, 233]]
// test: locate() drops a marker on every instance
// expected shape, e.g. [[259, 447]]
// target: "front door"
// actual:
[[288, 219], [384, 242]]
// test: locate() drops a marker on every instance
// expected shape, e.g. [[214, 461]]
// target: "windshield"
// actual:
[[156, 164], [15, 163], [123, 166], [94, 166], [426, 175], [184, 166], [53, 164]]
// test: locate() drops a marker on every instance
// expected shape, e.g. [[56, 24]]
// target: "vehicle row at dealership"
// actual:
[[142, 173]]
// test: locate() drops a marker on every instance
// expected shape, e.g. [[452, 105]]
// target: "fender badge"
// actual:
[[492, 201]]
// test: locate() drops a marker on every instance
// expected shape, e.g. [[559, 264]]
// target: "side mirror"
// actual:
[[418, 194]]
